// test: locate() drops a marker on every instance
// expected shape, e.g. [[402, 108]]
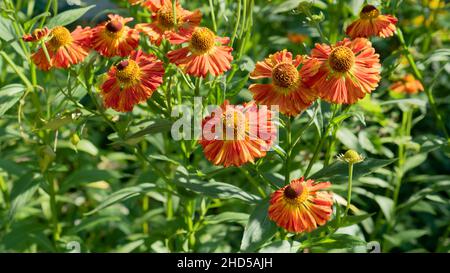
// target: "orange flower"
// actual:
[[114, 38], [37, 35], [343, 73], [372, 23], [206, 53], [300, 206], [64, 48], [297, 38], [164, 25], [287, 89], [132, 81], [236, 134], [408, 84]]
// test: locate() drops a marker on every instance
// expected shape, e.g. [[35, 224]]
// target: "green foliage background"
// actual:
[[127, 187]]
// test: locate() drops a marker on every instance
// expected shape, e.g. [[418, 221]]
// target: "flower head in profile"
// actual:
[[236, 134], [114, 38], [343, 73], [64, 48], [132, 81], [167, 25], [286, 89], [37, 35], [351, 157], [408, 84], [205, 53], [372, 23], [301, 206]]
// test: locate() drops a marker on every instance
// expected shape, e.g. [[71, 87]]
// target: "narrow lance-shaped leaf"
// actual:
[[338, 171], [67, 17], [259, 228]]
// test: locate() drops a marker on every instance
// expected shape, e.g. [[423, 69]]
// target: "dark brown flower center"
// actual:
[[285, 75], [342, 59], [202, 40], [369, 12], [114, 26], [296, 193], [122, 65], [292, 192]]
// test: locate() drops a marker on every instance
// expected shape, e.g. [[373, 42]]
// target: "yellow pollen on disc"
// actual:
[[369, 12], [202, 40], [60, 37], [342, 59], [128, 73], [235, 122], [296, 194], [285, 75], [165, 18]]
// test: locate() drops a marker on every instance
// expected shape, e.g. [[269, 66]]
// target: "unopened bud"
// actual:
[[74, 139]]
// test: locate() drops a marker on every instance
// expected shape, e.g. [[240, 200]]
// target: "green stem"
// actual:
[[53, 208], [197, 87], [238, 20], [47, 9], [16, 69], [349, 190], [404, 132], [190, 209], [322, 140], [213, 16], [419, 76], [4, 190], [169, 206], [254, 183], [145, 206]]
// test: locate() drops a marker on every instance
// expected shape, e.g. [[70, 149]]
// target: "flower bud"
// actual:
[[351, 157]]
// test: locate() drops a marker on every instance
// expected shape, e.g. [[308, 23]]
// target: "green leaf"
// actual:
[[339, 241], [351, 220], [130, 246], [281, 246], [259, 228], [81, 177], [214, 189], [386, 205], [22, 192], [227, 217], [122, 195], [349, 139], [338, 171], [67, 17], [358, 115], [9, 96], [418, 196], [288, 5], [91, 223], [11, 167], [164, 158], [236, 86], [58, 122], [159, 126], [404, 236], [29, 24], [414, 161], [6, 29]]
